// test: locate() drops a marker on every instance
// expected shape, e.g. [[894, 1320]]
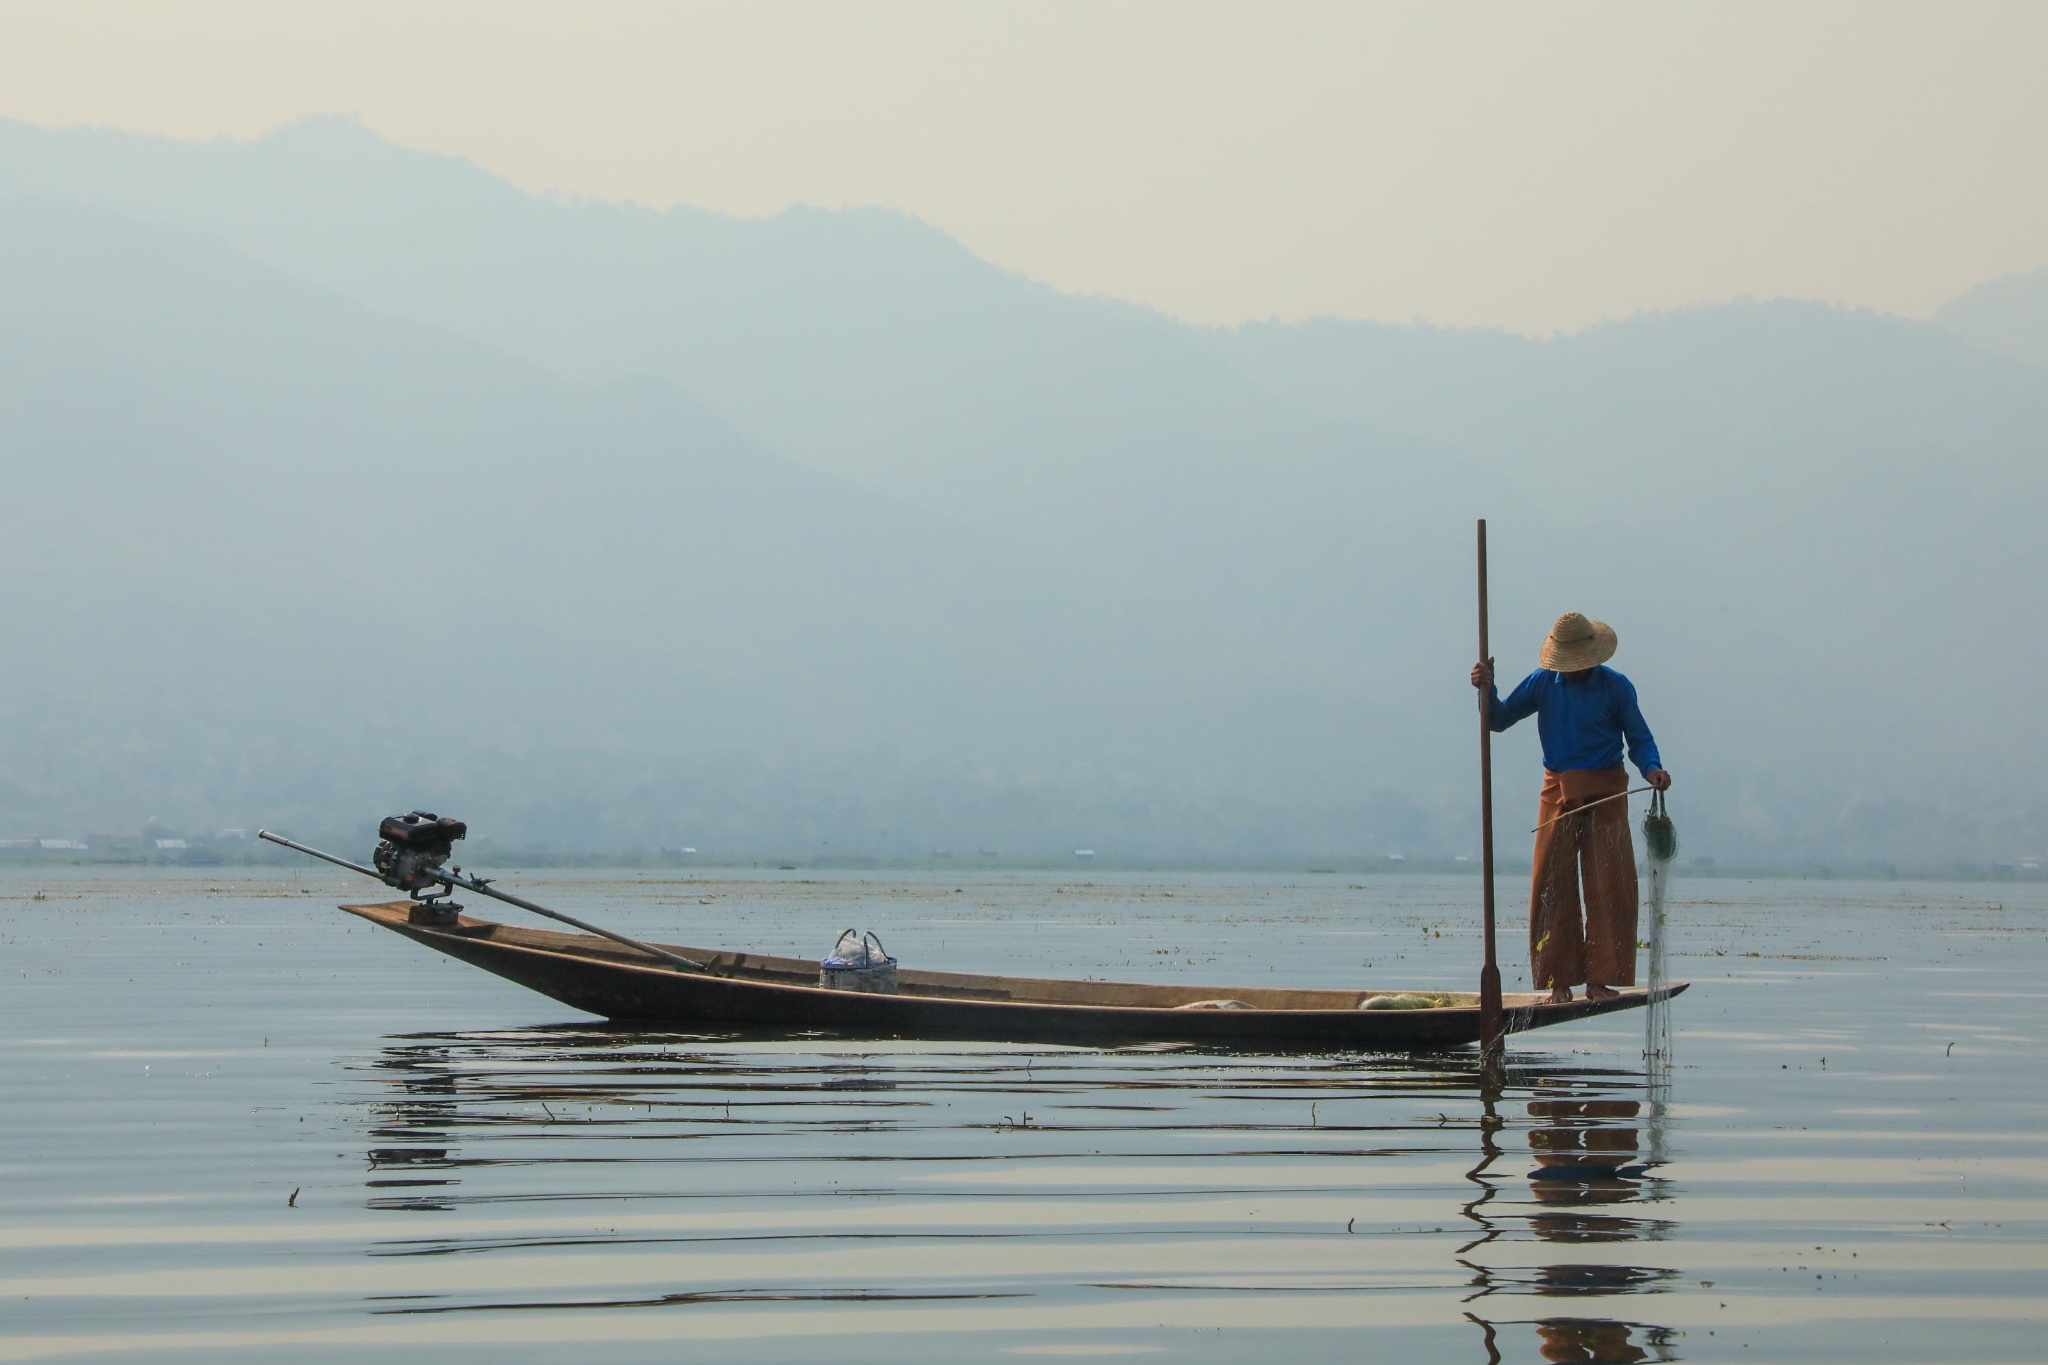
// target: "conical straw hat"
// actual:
[[1575, 643]]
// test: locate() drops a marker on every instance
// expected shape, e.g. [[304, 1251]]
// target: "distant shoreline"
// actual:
[[516, 860]]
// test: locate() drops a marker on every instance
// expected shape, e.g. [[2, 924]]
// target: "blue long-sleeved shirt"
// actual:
[[1582, 724]]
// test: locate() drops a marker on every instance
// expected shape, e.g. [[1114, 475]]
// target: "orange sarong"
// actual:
[[1595, 847]]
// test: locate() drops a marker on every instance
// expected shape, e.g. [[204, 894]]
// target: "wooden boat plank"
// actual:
[[764, 990]]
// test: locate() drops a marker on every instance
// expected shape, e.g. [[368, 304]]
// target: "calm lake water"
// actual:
[[242, 1126]]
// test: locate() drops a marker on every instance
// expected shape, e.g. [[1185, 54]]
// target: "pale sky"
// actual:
[[1536, 167]]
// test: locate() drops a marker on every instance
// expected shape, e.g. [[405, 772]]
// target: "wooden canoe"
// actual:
[[754, 990]]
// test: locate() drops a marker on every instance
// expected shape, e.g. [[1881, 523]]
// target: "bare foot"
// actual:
[[1600, 992], [1560, 995]]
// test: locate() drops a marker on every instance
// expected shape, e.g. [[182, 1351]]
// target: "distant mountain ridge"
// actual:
[[2008, 315], [290, 554], [1800, 518]]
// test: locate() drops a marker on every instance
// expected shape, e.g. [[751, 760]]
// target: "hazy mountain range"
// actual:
[[345, 477]]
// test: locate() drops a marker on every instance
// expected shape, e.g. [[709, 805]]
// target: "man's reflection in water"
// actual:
[[1589, 1157], [1586, 1157], [1597, 1341]]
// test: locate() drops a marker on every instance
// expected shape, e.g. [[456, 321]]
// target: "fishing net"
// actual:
[[1660, 838]]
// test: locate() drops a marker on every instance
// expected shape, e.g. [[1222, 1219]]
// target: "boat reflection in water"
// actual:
[[608, 1172], [1590, 1158]]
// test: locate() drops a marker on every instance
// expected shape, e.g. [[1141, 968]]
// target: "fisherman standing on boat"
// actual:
[[1584, 712]]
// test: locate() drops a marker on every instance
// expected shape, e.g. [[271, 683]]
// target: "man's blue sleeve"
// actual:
[[1521, 703], [1642, 745]]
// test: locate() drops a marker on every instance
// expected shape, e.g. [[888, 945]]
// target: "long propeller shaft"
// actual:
[[457, 881]]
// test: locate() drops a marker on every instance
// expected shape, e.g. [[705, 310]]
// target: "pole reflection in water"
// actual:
[[1588, 1150]]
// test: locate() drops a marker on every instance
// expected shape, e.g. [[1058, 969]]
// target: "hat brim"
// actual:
[[1570, 658]]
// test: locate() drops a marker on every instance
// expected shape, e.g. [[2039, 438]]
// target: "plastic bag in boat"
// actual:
[[858, 963]]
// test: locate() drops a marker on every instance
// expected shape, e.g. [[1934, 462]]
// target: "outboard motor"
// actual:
[[410, 848]]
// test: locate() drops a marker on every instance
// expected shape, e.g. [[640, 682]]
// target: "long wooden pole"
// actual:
[[1489, 975]]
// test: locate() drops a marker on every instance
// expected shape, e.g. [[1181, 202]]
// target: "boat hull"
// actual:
[[750, 991]]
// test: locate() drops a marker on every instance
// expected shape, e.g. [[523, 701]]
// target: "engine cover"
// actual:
[[413, 845]]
